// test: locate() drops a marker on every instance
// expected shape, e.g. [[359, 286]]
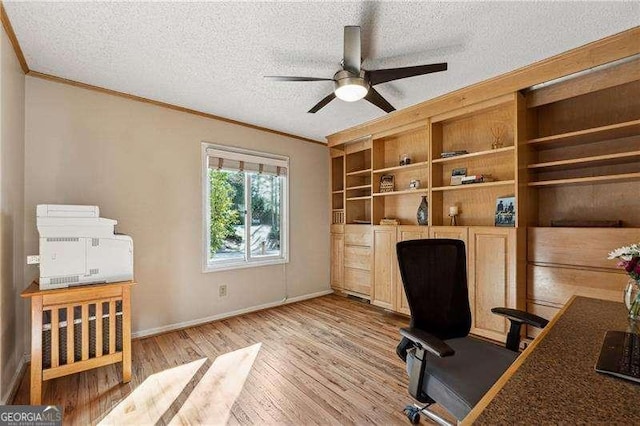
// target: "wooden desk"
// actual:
[[60, 347], [554, 381]]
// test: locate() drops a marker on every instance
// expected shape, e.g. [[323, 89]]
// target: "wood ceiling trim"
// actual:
[[608, 49], [13, 39], [74, 83]]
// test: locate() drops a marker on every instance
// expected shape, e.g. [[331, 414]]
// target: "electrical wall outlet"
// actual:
[[222, 291], [33, 260]]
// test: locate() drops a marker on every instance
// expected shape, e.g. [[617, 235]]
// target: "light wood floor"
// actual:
[[329, 360]]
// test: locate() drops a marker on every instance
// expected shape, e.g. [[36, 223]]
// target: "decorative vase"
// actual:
[[423, 212], [632, 299]]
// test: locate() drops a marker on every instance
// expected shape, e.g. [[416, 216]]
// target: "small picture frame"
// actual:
[[506, 211], [387, 183], [457, 175]]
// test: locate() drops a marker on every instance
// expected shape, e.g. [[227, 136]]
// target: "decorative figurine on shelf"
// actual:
[[405, 160], [498, 129], [453, 212], [414, 184], [423, 211], [387, 183]]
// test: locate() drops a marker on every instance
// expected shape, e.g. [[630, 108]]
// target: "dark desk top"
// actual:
[[554, 381]]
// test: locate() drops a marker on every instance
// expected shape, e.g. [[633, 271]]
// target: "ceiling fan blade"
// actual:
[[376, 98], [291, 78], [382, 76], [352, 46], [322, 103]]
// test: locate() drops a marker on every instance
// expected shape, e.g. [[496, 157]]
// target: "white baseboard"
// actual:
[[15, 380], [192, 323]]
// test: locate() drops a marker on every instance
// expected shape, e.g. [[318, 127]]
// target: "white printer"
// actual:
[[79, 247]]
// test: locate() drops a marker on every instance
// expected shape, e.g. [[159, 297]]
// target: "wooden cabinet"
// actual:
[[77, 329], [491, 278], [406, 233], [384, 266], [337, 261]]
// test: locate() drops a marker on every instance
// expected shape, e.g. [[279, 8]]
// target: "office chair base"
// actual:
[[414, 414]]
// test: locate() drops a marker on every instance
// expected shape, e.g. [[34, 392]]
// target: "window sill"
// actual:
[[228, 266]]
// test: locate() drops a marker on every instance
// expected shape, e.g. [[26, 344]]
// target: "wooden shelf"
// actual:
[[359, 187], [598, 160], [595, 134], [339, 191], [474, 185], [590, 179], [474, 154], [359, 172], [368, 197], [402, 168], [406, 191]]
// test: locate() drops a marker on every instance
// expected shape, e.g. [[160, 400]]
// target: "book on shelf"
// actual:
[[448, 154], [388, 221], [477, 179]]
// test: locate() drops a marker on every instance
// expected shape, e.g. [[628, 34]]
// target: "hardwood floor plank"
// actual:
[[329, 360]]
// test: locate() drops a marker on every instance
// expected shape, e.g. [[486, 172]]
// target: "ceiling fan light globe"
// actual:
[[351, 92]]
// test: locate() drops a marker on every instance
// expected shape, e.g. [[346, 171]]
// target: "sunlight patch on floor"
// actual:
[[149, 401], [211, 400]]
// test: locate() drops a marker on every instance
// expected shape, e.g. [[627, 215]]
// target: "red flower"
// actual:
[[631, 265]]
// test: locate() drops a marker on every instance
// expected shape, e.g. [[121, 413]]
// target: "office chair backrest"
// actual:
[[434, 275]]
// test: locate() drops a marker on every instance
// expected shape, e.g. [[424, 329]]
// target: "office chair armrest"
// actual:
[[427, 341], [521, 317], [518, 318]]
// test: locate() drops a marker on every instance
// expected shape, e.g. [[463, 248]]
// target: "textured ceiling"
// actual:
[[211, 56]]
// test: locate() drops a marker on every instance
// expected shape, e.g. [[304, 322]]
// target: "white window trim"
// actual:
[[206, 212]]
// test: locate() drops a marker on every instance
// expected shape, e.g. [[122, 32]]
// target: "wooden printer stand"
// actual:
[[78, 328]]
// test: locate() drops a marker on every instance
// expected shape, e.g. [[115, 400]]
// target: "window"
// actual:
[[245, 208]]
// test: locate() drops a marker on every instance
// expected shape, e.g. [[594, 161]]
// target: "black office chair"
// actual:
[[445, 365]]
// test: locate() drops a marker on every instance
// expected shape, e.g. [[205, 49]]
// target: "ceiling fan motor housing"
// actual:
[[350, 86]]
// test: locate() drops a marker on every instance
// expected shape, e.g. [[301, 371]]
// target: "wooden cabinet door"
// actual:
[[337, 261], [491, 257], [451, 232], [384, 266], [405, 233]]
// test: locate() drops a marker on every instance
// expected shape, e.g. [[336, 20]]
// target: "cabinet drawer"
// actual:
[[357, 257], [357, 235], [357, 280]]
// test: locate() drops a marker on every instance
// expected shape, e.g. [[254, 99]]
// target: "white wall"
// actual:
[[13, 309], [141, 164]]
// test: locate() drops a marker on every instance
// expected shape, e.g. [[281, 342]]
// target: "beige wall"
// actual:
[[12, 308], [141, 164]]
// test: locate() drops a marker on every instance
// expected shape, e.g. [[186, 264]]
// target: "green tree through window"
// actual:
[[224, 215]]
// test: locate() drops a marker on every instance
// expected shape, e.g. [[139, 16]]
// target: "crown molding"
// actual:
[[6, 24]]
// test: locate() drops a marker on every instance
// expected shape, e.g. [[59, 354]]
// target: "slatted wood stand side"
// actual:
[[70, 298]]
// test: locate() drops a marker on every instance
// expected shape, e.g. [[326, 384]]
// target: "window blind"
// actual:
[[241, 161]]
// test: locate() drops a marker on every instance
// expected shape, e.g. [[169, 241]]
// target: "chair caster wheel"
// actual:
[[412, 414]]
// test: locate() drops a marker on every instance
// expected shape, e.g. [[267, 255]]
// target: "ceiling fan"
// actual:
[[353, 83]]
